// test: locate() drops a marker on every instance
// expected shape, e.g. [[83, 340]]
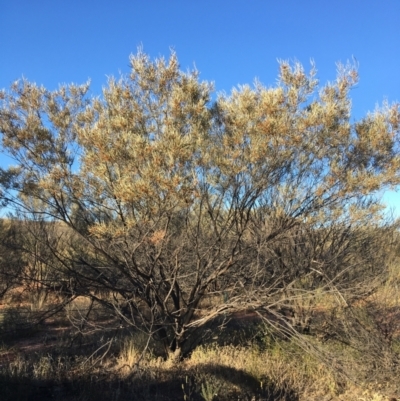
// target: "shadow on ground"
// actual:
[[206, 382]]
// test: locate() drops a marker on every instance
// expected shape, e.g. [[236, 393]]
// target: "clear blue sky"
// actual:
[[230, 42]]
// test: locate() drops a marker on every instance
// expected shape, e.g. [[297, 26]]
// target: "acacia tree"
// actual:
[[167, 198]]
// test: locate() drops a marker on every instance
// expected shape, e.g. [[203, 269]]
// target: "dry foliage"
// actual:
[[152, 198]]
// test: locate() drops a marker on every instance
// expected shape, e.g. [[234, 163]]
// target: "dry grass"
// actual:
[[270, 371], [284, 369], [246, 363]]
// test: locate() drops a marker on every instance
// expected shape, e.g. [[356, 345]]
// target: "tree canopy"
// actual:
[[167, 197]]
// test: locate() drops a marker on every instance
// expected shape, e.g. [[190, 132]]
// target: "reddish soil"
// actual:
[[39, 342]]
